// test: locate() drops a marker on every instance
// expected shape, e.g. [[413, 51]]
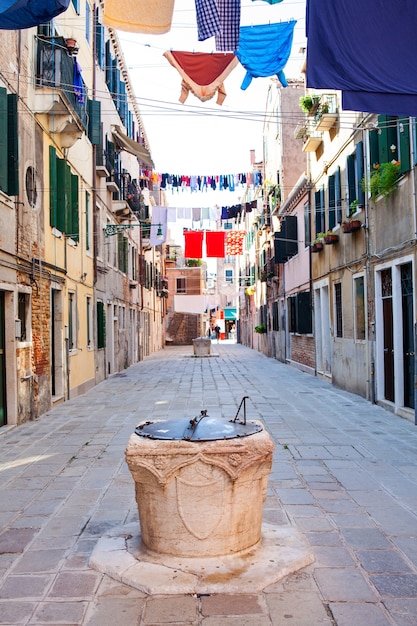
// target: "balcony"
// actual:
[[312, 143], [55, 94], [327, 115]]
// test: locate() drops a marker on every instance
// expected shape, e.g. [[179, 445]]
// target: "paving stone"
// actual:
[[332, 557], [396, 585], [324, 539], [365, 538], [229, 604], [301, 608], [355, 613], [24, 587], [74, 585], [403, 610], [382, 561], [343, 585], [14, 540], [14, 613], [110, 611], [169, 610], [56, 613], [39, 561]]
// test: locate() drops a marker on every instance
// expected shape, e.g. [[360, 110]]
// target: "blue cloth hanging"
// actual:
[[78, 83], [367, 50], [270, 1], [17, 14], [264, 50]]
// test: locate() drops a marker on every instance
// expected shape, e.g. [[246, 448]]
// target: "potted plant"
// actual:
[[318, 243], [330, 238], [354, 207], [263, 276], [261, 329], [309, 104], [351, 225], [383, 180]]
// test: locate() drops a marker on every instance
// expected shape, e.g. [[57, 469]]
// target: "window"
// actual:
[[87, 21], [89, 321], [181, 285], [88, 220], [332, 201], [299, 313], [319, 211], [307, 229], [122, 253], [228, 275], [101, 326], [9, 164], [359, 302], [72, 329], [275, 316], [63, 196], [338, 309], [23, 302]]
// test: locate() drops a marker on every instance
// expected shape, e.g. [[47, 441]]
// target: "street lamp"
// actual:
[[115, 229]]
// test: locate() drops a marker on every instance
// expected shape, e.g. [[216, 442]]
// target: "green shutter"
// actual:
[[87, 220], [94, 127], [360, 172], [405, 159], [332, 202], [101, 325], [53, 195], [63, 175], [373, 148], [125, 254], [3, 139], [350, 166], [387, 138], [12, 147], [74, 219]]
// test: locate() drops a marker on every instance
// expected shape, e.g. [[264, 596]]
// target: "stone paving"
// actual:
[[344, 474]]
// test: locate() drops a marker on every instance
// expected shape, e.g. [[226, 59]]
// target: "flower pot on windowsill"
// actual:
[[317, 247], [330, 239], [351, 226]]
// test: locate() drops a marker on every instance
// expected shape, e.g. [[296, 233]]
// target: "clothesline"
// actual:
[[218, 182]]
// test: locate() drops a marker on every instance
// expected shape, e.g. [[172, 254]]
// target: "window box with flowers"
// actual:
[[330, 238], [351, 225], [318, 243]]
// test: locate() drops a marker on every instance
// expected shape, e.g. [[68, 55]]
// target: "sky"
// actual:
[[195, 137]]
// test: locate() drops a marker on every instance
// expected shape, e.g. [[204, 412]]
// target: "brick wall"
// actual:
[[303, 350]]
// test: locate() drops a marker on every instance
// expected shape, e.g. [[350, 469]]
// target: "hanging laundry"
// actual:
[[227, 39], [159, 225], [264, 50], [234, 242], [208, 19], [152, 17], [215, 243], [17, 14], [78, 83], [193, 244], [270, 1], [367, 50], [202, 73], [219, 18]]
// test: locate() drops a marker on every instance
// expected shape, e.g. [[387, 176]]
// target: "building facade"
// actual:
[[79, 283]]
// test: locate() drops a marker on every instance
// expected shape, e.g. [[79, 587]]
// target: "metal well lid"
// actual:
[[200, 428]]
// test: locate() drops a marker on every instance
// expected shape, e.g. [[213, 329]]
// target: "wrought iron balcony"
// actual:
[[55, 70]]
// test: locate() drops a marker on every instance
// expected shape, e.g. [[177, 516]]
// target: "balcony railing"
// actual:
[[55, 69]]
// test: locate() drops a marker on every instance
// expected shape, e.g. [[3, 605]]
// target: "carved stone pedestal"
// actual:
[[200, 498]]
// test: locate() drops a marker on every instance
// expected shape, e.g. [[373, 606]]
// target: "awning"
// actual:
[[230, 314], [126, 143]]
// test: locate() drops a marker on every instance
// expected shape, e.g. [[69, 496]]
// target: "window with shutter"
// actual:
[[53, 195], [3, 139], [359, 167], [73, 216], [332, 202], [351, 180], [94, 125], [404, 144], [319, 211], [304, 320], [101, 326], [12, 146]]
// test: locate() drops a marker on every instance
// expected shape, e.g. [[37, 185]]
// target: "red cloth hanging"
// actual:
[[215, 244], [193, 244], [234, 242]]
